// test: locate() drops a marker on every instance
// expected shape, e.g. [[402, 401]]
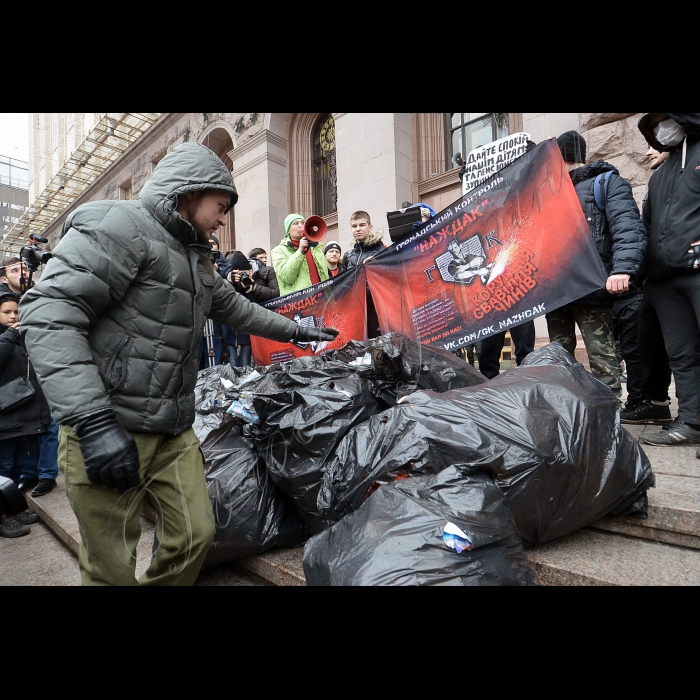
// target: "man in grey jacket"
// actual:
[[113, 329]]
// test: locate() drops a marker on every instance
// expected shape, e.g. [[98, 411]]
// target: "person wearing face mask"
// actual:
[[620, 239], [671, 214], [654, 404]]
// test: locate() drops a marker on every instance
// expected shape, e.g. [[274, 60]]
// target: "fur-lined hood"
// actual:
[[375, 236]]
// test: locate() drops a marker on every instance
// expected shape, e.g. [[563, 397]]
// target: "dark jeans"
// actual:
[[625, 314], [677, 304], [46, 467], [241, 358], [652, 354], [490, 356], [19, 456]]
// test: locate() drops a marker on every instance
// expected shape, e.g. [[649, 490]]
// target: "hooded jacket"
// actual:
[[618, 232], [361, 251], [671, 211], [291, 267], [116, 318], [31, 418]]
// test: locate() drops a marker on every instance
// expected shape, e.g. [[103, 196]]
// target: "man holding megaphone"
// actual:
[[298, 260]]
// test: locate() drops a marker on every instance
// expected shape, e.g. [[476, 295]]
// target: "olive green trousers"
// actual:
[[174, 485]]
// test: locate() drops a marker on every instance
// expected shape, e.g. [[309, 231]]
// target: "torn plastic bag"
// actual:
[[396, 366], [405, 535], [216, 388], [305, 409], [550, 434], [251, 514]]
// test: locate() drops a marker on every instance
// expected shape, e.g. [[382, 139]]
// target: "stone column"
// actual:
[[374, 164], [259, 173]]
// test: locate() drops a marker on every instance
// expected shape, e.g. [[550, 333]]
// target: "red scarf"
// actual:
[[310, 261]]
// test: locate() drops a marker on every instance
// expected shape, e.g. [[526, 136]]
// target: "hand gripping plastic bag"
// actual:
[[440, 530], [548, 431]]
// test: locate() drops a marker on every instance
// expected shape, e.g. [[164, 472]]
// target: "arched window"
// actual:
[[325, 182]]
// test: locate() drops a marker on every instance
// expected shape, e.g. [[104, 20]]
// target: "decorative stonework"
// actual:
[[590, 120], [616, 139]]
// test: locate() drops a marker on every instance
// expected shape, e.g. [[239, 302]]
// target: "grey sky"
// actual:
[[14, 135]]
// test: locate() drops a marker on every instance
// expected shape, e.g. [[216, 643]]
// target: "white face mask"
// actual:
[[669, 132]]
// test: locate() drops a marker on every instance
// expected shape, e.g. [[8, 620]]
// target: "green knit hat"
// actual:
[[290, 220]]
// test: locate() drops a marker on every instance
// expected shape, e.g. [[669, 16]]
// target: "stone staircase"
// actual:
[[663, 550]]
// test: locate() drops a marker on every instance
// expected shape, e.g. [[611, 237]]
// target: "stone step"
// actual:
[[591, 556], [55, 511], [584, 558], [674, 504]]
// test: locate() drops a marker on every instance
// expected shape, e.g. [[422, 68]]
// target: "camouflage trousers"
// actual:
[[596, 329]]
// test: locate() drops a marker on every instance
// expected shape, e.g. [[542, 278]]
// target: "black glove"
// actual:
[[307, 334], [109, 452]]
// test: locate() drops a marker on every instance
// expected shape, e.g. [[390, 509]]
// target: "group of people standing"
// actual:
[[28, 434], [297, 263], [648, 314]]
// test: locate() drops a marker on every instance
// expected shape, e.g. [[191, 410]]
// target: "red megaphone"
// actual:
[[315, 228]]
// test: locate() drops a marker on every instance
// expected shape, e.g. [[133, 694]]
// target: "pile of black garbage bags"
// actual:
[[400, 464]]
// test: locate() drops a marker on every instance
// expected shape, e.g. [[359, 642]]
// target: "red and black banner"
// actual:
[[516, 247], [507, 252], [340, 303]]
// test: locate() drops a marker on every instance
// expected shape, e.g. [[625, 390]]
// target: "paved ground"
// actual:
[[41, 559]]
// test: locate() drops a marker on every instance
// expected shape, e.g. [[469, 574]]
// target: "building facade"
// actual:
[[328, 164], [14, 192]]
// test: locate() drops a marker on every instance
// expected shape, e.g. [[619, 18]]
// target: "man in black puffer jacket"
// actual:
[[672, 217], [620, 238]]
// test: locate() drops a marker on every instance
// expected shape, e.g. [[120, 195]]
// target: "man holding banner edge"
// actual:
[[620, 239]]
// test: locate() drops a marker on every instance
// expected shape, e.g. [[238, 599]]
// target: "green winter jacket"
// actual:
[[116, 318], [291, 267]]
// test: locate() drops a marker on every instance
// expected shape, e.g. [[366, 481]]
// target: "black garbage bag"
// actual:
[[549, 433], [251, 514], [214, 391], [401, 536], [305, 407], [396, 366]]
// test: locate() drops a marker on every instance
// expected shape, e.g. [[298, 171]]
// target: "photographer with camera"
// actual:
[[258, 282], [13, 276], [113, 328]]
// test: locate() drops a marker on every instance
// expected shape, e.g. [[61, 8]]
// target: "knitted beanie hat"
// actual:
[[572, 146], [290, 220], [239, 261]]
